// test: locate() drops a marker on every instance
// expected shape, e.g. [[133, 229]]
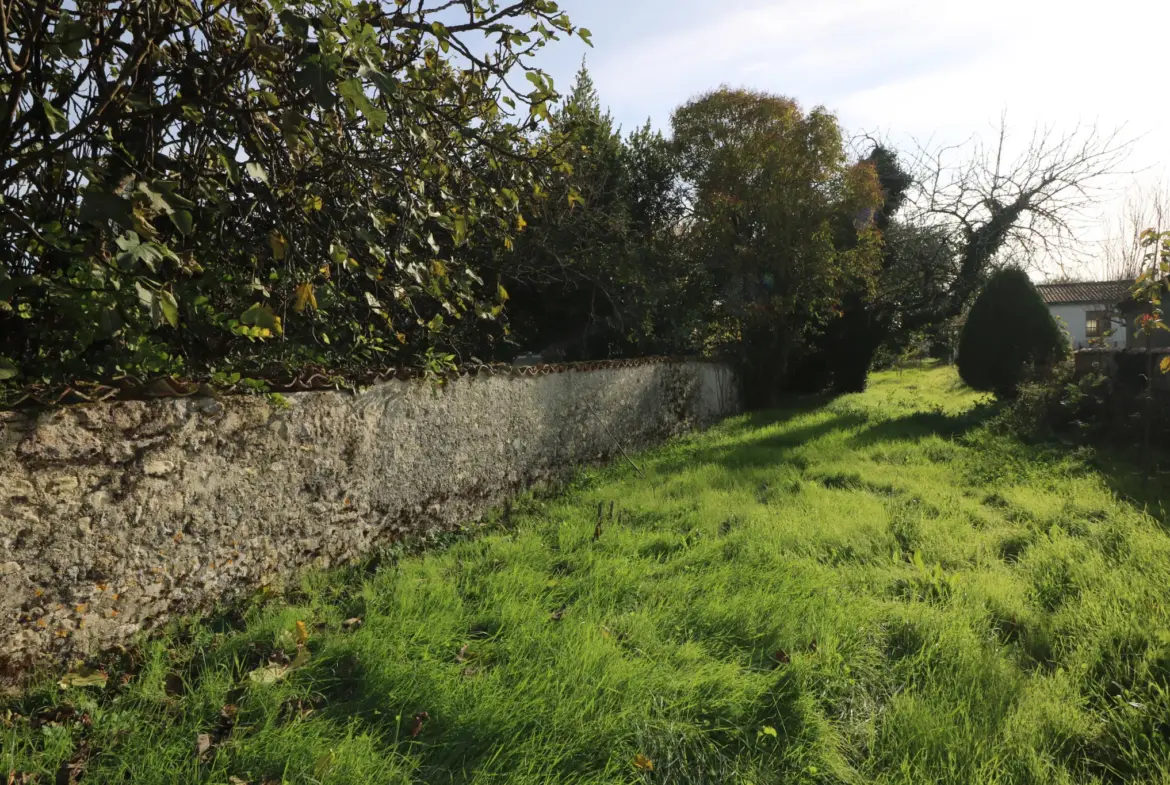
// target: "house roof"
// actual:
[[1104, 292]]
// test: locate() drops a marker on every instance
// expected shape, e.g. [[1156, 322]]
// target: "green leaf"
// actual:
[[256, 172], [317, 80], [263, 317], [157, 201], [228, 159], [99, 207], [145, 296], [8, 369], [183, 221], [295, 24], [353, 91], [73, 35], [134, 250], [58, 123], [169, 307], [585, 35]]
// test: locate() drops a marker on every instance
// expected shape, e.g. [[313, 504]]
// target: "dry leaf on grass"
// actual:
[[83, 678]]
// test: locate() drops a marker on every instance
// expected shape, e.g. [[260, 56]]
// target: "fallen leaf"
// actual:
[[352, 624], [274, 672], [202, 744], [642, 763], [463, 655], [71, 770], [781, 657], [237, 781], [269, 674], [812, 646], [302, 634], [83, 678], [228, 715], [416, 727]]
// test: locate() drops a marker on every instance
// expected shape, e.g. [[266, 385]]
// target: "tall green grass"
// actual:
[[872, 589]]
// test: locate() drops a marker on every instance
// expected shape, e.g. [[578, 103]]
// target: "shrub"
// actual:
[[1009, 336], [1060, 405]]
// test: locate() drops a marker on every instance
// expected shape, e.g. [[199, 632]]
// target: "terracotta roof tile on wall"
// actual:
[[1105, 292]]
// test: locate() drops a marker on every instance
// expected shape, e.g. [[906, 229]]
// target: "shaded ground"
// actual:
[[872, 589]]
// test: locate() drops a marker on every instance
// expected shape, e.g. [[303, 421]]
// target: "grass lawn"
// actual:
[[872, 589]]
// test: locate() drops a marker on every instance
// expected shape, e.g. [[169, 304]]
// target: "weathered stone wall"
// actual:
[[116, 516]]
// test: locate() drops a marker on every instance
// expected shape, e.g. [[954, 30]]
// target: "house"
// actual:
[[1091, 312]]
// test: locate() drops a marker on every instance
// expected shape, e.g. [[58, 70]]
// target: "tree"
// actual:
[[968, 210], [598, 272], [1009, 334], [1123, 253], [842, 355], [190, 184], [564, 274], [1001, 208], [781, 219]]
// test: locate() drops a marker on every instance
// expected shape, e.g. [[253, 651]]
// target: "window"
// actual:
[[1096, 324]]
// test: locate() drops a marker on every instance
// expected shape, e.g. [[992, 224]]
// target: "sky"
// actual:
[[929, 70]]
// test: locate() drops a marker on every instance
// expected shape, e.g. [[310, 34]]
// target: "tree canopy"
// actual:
[[198, 183], [783, 221], [212, 189]]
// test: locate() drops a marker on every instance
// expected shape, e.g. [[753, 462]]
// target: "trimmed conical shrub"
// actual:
[[1009, 335]]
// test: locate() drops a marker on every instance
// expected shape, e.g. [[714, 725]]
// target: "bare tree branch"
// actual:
[[1028, 208]]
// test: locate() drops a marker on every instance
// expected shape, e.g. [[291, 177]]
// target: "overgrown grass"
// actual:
[[873, 589]]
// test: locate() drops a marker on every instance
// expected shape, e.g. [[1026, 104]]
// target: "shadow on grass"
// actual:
[[773, 449], [1148, 491], [922, 425]]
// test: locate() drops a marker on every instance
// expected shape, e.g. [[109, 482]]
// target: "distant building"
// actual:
[[1092, 312]]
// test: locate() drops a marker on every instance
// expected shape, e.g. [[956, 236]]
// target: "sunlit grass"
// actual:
[[873, 589]]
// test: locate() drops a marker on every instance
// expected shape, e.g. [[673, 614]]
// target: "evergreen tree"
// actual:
[[1009, 335]]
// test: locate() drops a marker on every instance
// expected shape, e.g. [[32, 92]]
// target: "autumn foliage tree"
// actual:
[[781, 219], [192, 185]]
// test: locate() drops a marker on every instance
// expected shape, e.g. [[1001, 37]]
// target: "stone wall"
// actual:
[[116, 516]]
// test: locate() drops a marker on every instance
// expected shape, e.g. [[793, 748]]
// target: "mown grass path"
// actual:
[[873, 589]]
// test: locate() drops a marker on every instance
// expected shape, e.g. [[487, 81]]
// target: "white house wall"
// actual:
[[1073, 318]]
